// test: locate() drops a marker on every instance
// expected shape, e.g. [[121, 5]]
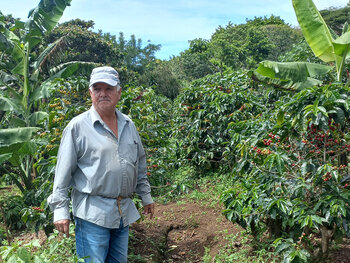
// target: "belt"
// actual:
[[119, 198]]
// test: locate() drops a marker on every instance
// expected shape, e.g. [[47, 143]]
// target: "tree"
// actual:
[[26, 78], [245, 45], [136, 57], [163, 80], [325, 44], [335, 18], [196, 60], [84, 44]]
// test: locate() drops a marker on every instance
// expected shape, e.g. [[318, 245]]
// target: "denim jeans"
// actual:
[[100, 244]]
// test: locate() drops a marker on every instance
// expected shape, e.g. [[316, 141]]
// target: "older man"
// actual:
[[102, 158]]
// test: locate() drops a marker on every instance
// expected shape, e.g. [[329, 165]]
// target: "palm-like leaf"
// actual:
[[12, 136], [43, 19], [68, 69], [314, 29], [324, 44], [51, 53], [291, 75]]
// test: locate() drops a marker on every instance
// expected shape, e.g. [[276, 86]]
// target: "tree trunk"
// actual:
[[327, 234]]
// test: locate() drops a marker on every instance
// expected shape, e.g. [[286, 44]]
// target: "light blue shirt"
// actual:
[[100, 167]]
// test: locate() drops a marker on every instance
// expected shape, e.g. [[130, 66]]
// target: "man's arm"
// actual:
[[143, 188], [66, 165]]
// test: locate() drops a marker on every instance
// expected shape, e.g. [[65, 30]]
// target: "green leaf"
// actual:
[[71, 68], [5, 77], [323, 110], [280, 118], [341, 44], [17, 122], [37, 117], [5, 157], [314, 29], [291, 75], [7, 104], [23, 254], [295, 71], [44, 91], [16, 135], [43, 19]]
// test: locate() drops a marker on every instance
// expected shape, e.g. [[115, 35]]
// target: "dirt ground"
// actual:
[[186, 231], [181, 232]]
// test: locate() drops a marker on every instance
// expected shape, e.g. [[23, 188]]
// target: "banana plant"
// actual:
[[324, 43], [25, 80]]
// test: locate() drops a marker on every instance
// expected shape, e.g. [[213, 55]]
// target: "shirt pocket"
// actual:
[[130, 153]]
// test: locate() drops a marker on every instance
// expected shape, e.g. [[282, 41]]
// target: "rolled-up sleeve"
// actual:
[[59, 200], [143, 188]]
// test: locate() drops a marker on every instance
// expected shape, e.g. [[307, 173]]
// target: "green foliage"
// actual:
[[27, 80], [204, 112], [237, 46], [11, 207], [84, 44], [292, 175], [163, 80], [335, 18], [327, 46], [56, 249], [301, 52], [247, 44], [291, 75]]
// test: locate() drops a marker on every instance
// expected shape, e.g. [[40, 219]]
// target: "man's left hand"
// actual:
[[149, 210]]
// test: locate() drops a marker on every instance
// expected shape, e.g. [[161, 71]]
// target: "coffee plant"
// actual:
[[293, 179]]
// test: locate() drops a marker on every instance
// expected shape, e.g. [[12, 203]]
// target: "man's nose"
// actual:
[[103, 92]]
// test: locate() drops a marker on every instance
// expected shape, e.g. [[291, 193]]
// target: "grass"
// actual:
[[239, 250]]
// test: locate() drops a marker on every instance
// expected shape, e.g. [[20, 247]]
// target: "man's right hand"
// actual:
[[63, 226]]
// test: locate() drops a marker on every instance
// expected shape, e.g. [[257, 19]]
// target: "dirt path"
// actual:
[[182, 232]]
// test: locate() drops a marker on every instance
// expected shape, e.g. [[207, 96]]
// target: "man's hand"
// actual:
[[63, 226], [149, 209]]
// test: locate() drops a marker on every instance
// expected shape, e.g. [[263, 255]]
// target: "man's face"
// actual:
[[104, 97]]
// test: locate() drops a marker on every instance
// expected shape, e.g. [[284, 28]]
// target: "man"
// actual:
[[102, 158]]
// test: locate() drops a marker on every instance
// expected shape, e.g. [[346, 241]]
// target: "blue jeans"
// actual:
[[100, 244]]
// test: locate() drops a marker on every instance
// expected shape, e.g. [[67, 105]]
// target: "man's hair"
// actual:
[[118, 87]]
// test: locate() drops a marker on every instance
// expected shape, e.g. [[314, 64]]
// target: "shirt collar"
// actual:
[[95, 116]]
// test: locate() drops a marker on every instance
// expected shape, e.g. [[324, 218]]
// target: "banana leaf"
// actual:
[[71, 68], [5, 157], [6, 78], [43, 19], [314, 29], [52, 51], [10, 104], [291, 75], [64, 71], [12, 136], [37, 117]]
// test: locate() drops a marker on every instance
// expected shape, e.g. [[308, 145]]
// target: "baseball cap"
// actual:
[[104, 74]]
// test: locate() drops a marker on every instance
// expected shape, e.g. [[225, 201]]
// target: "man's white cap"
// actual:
[[106, 75]]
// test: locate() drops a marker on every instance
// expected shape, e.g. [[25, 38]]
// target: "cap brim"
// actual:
[[107, 81]]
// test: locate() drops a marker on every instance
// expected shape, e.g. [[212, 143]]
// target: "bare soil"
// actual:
[[186, 231], [181, 232]]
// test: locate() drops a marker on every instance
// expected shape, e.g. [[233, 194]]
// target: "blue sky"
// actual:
[[171, 23]]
